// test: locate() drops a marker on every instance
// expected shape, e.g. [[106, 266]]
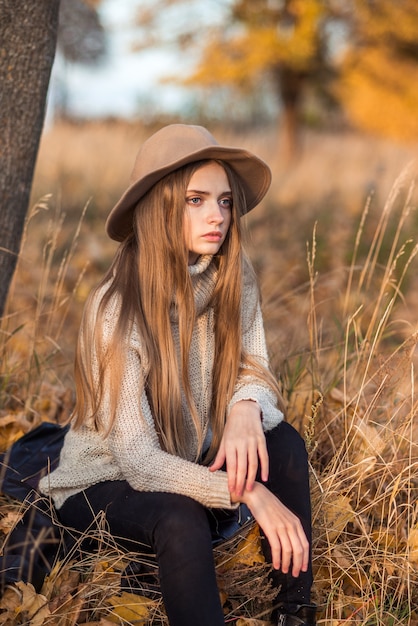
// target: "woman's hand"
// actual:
[[282, 529], [243, 448]]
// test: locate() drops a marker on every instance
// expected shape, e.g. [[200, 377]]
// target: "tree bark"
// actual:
[[28, 33]]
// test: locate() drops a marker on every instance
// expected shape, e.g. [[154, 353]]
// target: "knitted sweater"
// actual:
[[131, 451]]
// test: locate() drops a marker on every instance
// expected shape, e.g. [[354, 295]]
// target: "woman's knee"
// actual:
[[286, 446], [288, 458], [180, 515], [182, 525]]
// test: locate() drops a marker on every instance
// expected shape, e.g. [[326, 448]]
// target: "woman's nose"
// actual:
[[215, 215]]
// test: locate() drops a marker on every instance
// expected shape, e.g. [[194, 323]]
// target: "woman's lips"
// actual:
[[213, 236]]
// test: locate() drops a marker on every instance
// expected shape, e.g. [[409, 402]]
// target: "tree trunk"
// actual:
[[290, 84], [28, 33]]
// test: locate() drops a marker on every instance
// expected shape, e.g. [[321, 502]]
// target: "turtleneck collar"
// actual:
[[203, 275], [202, 264]]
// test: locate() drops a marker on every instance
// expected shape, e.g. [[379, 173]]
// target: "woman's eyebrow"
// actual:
[[207, 193]]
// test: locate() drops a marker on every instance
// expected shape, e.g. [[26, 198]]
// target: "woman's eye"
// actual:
[[193, 200], [226, 203]]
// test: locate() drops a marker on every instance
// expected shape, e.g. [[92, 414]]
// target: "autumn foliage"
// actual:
[[310, 55], [377, 86]]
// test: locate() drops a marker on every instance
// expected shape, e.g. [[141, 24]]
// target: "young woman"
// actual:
[[178, 418]]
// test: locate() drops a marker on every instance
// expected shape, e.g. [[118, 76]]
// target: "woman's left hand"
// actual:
[[243, 448]]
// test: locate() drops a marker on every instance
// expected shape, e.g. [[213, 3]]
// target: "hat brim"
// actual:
[[254, 174]]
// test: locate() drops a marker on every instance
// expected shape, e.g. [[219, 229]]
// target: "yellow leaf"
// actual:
[[11, 599], [33, 605], [384, 538], [248, 551], [107, 574], [341, 559], [130, 607], [28, 595], [9, 521], [338, 514], [223, 596], [10, 431], [59, 578], [413, 545], [39, 617], [367, 442]]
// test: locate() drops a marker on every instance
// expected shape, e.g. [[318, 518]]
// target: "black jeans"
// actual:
[[177, 530]]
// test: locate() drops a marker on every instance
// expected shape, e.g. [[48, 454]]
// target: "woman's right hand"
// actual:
[[281, 527]]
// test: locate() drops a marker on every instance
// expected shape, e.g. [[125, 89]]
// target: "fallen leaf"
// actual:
[[11, 600], [60, 581], [367, 442], [413, 545], [10, 431], [39, 617], [384, 538], [248, 551], [341, 559], [130, 607], [338, 514], [65, 610], [107, 574], [9, 521], [33, 605]]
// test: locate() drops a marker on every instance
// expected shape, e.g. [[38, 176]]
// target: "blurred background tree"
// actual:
[[81, 39], [314, 56], [273, 47]]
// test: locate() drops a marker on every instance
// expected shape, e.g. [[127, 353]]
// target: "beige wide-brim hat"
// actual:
[[172, 147]]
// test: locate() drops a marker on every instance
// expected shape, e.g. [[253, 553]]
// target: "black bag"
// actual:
[[33, 545]]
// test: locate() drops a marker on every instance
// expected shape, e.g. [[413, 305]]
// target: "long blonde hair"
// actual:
[[156, 249]]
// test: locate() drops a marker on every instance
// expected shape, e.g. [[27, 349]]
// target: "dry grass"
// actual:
[[338, 277]]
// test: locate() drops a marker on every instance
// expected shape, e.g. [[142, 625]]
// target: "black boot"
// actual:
[[303, 616]]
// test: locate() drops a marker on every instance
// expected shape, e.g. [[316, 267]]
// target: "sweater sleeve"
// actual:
[[248, 387], [134, 445]]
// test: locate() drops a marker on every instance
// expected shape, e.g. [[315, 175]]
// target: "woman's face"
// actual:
[[208, 211]]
